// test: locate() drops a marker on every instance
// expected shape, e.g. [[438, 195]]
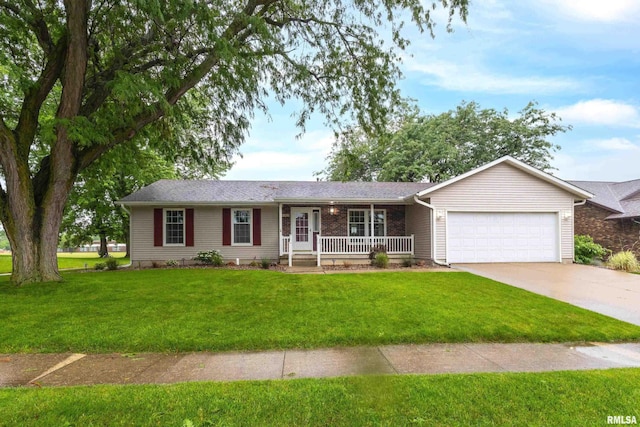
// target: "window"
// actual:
[[357, 223], [360, 222], [174, 227], [241, 226], [378, 223]]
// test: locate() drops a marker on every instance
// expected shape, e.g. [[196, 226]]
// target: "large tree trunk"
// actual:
[[104, 249], [32, 205], [34, 256]]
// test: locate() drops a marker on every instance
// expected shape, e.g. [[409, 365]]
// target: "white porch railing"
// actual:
[[285, 241], [342, 245]]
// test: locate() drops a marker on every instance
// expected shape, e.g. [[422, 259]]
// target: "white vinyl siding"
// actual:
[[207, 235], [418, 223], [503, 188]]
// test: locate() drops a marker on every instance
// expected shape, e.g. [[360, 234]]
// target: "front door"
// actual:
[[302, 229]]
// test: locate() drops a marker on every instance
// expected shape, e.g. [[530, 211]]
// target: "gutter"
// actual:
[[580, 203], [433, 228]]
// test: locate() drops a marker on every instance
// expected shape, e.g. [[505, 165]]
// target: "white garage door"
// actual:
[[502, 237]]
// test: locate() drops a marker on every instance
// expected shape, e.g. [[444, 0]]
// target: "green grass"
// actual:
[[578, 398], [69, 260], [209, 309]]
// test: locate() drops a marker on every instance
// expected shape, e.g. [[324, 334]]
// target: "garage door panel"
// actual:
[[502, 237]]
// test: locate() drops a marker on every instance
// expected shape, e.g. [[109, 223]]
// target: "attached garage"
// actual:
[[504, 211], [503, 237]]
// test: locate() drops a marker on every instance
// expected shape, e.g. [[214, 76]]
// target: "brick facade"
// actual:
[[336, 224], [616, 235]]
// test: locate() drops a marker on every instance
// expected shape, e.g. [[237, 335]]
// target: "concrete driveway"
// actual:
[[609, 292]]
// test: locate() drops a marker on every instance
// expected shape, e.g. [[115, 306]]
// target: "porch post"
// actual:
[[280, 228], [290, 252], [371, 220], [319, 247]]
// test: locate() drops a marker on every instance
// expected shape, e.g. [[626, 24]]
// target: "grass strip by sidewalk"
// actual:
[[218, 310], [533, 399]]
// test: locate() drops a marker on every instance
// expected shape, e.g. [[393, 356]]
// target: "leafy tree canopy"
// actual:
[[435, 148], [80, 77]]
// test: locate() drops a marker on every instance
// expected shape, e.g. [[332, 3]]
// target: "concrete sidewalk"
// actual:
[[146, 368]]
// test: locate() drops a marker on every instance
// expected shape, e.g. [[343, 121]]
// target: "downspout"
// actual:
[[433, 229], [130, 238]]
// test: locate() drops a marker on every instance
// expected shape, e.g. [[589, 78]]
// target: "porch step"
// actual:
[[301, 260], [296, 269]]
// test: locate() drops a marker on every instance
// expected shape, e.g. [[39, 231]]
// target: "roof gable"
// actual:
[[576, 191]]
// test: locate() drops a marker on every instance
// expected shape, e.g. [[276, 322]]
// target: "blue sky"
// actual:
[[578, 58]]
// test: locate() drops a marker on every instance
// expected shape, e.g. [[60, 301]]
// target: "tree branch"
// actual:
[[233, 32], [36, 22], [36, 95]]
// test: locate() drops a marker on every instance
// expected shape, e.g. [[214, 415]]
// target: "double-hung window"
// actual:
[[174, 227], [241, 226], [360, 222]]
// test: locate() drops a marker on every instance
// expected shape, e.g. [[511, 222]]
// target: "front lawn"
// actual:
[[581, 398], [69, 260], [209, 309]]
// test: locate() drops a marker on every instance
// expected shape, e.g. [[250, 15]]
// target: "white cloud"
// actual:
[[472, 78], [617, 166], [614, 144], [294, 160], [610, 11], [601, 112]]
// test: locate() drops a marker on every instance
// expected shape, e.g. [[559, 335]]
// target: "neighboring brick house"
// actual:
[[612, 217]]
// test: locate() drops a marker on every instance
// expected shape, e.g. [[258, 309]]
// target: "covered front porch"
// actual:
[[344, 231]]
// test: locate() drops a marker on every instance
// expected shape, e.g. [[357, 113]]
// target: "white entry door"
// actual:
[[302, 229], [502, 237]]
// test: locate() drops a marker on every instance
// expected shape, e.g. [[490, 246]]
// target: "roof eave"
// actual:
[[334, 200], [194, 203]]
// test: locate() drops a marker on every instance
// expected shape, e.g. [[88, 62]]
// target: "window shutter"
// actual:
[[157, 227], [257, 228], [226, 227], [188, 227]]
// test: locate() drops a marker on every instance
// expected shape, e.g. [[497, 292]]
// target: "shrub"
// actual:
[[381, 260], [624, 260], [171, 263], [254, 263], [265, 263], [212, 257], [377, 250], [406, 261], [586, 249], [100, 266], [111, 263]]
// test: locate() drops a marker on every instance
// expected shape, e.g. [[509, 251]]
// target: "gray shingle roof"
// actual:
[[209, 191], [622, 198]]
